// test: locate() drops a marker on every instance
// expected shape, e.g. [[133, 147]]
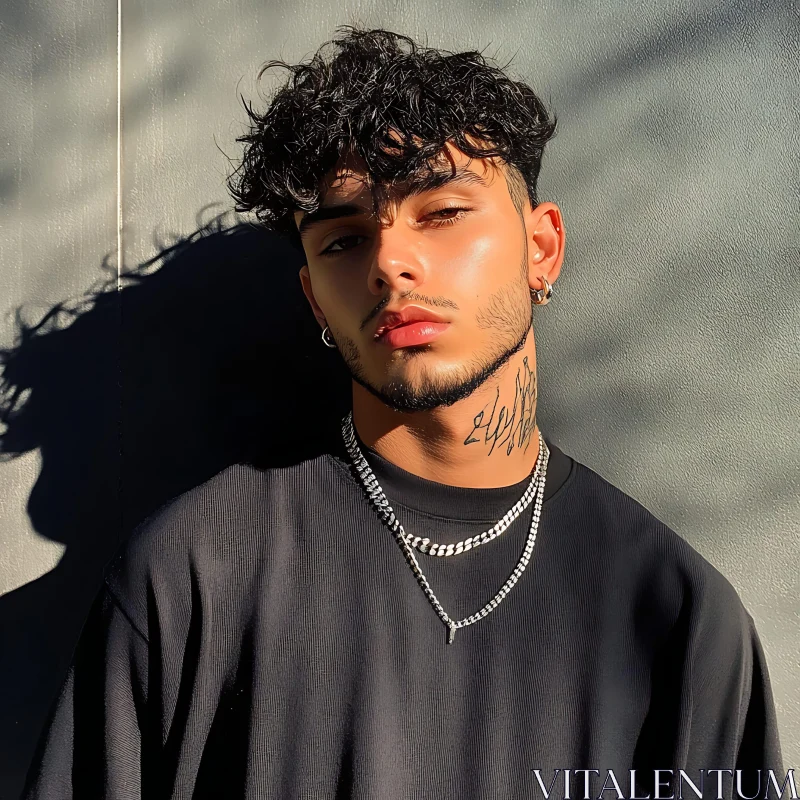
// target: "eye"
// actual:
[[342, 244], [447, 215]]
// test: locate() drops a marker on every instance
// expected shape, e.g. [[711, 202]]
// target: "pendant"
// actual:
[[451, 635]]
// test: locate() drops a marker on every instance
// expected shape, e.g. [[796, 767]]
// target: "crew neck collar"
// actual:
[[404, 488]]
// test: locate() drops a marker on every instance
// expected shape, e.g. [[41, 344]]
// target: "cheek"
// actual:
[[336, 296], [484, 258]]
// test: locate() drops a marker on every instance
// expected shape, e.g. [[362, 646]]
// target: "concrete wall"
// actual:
[[668, 358]]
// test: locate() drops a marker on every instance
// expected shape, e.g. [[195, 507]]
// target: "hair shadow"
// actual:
[[204, 356]]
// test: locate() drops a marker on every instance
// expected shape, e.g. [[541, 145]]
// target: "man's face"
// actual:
[[458, 249]]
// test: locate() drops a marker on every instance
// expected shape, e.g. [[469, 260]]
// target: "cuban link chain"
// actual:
[[378, 499]]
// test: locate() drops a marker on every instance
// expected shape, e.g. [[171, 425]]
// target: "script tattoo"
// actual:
[[514, 426]]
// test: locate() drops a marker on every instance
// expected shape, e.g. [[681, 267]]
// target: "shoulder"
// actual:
[[182, 523], [655, 560], [207, 540]]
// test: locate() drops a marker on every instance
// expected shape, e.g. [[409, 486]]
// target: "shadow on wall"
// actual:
[[209, 355]]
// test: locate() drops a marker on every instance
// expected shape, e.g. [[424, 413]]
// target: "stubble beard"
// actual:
[[508, 321]]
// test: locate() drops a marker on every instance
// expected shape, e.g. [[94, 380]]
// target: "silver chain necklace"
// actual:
[[378, 499], [431, 548]]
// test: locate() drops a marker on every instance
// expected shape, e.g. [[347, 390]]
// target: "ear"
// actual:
[[305, 280], [545, 231]]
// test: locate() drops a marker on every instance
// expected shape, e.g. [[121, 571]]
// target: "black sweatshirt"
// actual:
[[262, 636]]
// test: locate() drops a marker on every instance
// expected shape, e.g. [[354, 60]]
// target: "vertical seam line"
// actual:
[[120, 260], [119, 144]]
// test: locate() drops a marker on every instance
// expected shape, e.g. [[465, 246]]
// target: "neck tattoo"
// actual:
[[512, 426]]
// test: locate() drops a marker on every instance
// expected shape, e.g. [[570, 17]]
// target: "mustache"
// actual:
[[411, 297]]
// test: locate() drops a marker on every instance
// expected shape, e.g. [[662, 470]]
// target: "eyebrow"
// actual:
[[427, 182], [414, 186], [325, 213]]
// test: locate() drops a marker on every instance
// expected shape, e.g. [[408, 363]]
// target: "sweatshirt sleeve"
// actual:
[[730, 722], [91, 744], [759, 746], [712, 710]]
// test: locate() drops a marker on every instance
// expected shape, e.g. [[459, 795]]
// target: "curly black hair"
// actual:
[[395, 104]]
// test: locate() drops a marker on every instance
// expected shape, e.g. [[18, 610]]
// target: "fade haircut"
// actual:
[[394, 103]]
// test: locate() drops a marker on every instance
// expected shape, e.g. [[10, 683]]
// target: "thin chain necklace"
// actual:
[[378, 499]]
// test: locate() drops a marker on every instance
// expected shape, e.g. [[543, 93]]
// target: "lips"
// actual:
[[405, 316], [413, 333]]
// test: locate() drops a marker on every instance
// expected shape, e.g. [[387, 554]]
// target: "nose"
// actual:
[[397, 263]]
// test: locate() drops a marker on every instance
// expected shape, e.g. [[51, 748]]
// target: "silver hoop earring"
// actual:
[[329, 343], [542, 296]]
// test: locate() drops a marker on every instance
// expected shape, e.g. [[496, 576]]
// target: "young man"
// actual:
[[443, 604]]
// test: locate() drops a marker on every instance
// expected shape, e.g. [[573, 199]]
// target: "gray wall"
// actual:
[[668, 358]]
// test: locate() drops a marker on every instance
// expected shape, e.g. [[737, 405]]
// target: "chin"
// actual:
[[407, 391]]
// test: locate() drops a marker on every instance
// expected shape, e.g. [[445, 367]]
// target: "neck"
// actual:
[[487, 440]]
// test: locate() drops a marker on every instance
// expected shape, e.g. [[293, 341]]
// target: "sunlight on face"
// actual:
[[453, 245]]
